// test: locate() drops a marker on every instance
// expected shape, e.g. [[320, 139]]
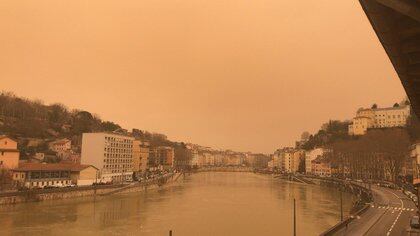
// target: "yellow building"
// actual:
[[140, 156], [9, 154]]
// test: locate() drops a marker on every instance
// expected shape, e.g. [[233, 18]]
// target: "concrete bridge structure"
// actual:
[[397, 25]]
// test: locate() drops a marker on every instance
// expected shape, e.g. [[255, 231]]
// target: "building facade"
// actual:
[[162, 157], [310, 156], [9, 154], [379, 118], [321, 167], [111, 153], [140, 157]]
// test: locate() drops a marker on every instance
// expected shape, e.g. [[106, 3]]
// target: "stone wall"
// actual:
[[66, 193]]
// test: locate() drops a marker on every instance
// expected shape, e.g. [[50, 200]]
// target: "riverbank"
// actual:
[[36, 195]]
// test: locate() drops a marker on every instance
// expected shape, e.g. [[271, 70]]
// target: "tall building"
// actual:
[[110, 153], [140, 157], [9, 154], [379, 118]]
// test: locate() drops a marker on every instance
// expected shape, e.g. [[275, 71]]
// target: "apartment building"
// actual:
[[9, 154], [379, 118], [162, 156], [140, 156], [310, 156], [321, 167], [111, 153]]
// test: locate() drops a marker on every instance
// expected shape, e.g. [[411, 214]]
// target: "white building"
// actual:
[[310, 156], [379, 118], [110, 153]]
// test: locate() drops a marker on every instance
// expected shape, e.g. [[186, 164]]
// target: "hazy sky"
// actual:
[[247, 75]]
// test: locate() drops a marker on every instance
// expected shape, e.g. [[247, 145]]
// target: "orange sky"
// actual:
[[245, 75]]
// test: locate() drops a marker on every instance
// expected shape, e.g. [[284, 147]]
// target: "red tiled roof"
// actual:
[[51, 167]]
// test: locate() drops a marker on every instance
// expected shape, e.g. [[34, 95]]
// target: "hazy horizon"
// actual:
[[246, 76]]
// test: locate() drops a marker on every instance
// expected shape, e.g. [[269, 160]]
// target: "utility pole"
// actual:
[[294, 217]]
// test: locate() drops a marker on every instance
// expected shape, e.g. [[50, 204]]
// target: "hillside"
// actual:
[[34, 123]]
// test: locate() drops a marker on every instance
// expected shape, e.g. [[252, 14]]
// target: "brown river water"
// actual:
[[203, 204]]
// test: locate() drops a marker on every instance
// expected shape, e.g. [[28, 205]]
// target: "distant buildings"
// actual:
[[9, 154], [379, 118], [111, 153], [39, 175]]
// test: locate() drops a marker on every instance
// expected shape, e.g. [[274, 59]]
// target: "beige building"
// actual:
[[9, 154], [140, 156], [379, 118], [111, 153]]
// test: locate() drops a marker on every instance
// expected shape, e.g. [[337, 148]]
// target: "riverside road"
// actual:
[[389, 215]]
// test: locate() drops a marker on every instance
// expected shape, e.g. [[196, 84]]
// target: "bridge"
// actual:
[[225, 169], [397, 25]]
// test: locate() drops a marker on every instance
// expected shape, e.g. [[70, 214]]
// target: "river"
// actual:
[[203, 204]]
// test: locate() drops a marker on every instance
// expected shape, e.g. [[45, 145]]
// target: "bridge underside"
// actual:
[[397, 25]]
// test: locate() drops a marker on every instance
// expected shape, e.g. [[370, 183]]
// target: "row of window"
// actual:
[[118, 160], [107, 155], [120, 145], [118, 150]]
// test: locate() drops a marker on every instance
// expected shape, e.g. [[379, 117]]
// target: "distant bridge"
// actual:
[[226, 169], [397, 25]]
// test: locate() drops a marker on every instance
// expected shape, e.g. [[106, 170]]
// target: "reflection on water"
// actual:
[[202, 204]]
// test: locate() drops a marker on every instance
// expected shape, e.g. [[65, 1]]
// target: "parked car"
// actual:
[[414, 222]]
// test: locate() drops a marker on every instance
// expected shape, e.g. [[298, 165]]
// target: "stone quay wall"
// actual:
[[76, 192]]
